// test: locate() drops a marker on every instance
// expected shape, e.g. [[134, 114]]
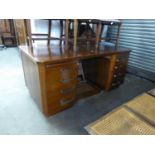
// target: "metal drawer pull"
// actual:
[[116, 67], [49, 66], [66, 80], [115, 75], [117, 60], [118, 75], [68, 90], [66, 69], [108, 57], [66, 101]]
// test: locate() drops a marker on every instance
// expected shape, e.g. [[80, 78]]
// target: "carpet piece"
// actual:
[[120, 122], [144, 106], [152, 92]]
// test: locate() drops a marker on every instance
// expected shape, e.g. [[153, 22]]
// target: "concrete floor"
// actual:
[[20, 115]]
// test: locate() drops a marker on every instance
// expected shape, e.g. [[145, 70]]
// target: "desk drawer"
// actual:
[[116, 82], [57, 86], [118, 79], [60, 100], [123, 56], [120, 66], [61, 76], [63, 73], [65, 89]]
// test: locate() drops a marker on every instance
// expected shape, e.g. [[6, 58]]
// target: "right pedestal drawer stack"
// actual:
[[119, 70], [108, 71]]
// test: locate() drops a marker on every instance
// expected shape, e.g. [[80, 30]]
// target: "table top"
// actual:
[[56, 53]]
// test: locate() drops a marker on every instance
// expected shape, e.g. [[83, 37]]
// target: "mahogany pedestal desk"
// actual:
[[51, 73]]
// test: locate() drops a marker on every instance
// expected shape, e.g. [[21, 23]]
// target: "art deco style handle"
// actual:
[[66, 80], [65, 74], [116, 67], [117, 60], [68, 90], [66, 101], [65, 69], [108, 57], [118, 75]]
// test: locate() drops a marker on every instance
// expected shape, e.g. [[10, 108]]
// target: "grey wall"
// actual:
[[139, 35]]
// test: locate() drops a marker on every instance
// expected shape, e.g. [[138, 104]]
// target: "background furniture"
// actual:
[[7, 31], [20, 31], [73, 32], [1, 44]]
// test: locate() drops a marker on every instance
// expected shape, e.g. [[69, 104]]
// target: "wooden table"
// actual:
[[51, 72]]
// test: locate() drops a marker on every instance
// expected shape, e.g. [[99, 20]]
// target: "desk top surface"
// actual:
[[56, 53]]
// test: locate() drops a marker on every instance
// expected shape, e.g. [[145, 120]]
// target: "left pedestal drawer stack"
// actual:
[[61, 80], [52, 86]]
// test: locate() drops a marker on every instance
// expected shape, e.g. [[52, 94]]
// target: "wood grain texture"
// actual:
[[29, 33], [59, 54], [31, 78], [61, 32], [118, 34], [49, 31], [66, 33], [51, 74], [86, 89], [75, 33], [7, 33], [20, 31], [98, 31]]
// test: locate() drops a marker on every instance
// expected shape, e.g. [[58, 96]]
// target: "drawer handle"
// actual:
[[108, 57], [117, 60], [66, 80], [67, 70], [66, 101], [118, 75], [116, 67], [115, 76], [68, 90]]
